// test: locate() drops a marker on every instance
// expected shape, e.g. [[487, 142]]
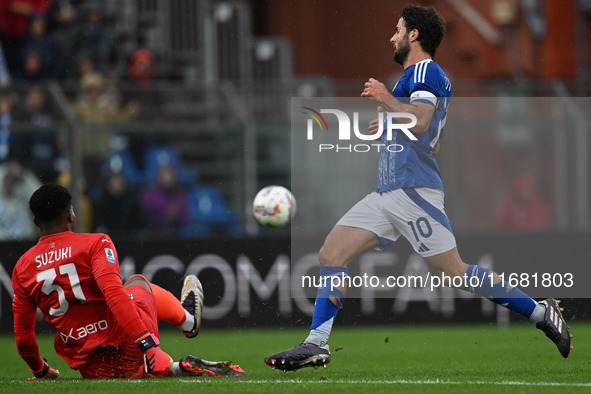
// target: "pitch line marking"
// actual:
[[403, 381], [342, 381]]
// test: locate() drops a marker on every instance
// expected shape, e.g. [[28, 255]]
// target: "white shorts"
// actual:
[[415, 213]]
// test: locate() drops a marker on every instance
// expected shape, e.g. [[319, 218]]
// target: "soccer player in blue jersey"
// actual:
[[408, 200]]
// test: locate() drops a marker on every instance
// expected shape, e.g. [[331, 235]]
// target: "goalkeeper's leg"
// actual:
[[171, 310]]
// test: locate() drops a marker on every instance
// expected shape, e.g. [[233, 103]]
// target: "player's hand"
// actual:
[[45, 373], [374, 125], [374, 88], [156, 361]]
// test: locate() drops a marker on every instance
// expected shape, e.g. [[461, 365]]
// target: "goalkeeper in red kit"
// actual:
[[105, 329]]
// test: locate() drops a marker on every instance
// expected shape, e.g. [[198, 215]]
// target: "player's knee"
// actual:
[[138, 280], [328, 258]]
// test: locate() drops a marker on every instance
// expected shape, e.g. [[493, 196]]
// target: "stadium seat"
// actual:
[[122, 161], [206, 206], [156, 156]]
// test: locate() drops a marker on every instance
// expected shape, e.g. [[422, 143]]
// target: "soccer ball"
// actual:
[[274, 206]]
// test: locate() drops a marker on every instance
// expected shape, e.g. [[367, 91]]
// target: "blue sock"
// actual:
[[514, 299], [325, 310]]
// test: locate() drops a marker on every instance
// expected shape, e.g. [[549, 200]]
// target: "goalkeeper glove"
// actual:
[[156, 361], [45, 373]]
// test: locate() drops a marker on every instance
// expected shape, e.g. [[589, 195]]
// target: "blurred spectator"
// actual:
[[61, 17], [84, 65], [89, 36], [94, 106], [94, 38], [38, 147], [35, 110], [166, 203], [117, 210], [14, 16], [112, 93], [97, 107], [16, 186], [141, 67], [525, 210], [6, 103], [32, 66], [39, 44], [4, 72]]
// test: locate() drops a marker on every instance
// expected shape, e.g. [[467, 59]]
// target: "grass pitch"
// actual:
[[415, 359]]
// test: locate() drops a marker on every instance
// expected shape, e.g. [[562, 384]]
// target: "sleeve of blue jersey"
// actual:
[[425, 84]]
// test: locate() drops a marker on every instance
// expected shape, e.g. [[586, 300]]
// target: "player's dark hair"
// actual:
[[49, 202], [429, 24]]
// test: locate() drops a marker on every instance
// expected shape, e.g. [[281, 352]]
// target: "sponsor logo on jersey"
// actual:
[[110, 255], [81, 332]]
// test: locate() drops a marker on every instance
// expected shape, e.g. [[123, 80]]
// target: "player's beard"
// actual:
[[402, 50]]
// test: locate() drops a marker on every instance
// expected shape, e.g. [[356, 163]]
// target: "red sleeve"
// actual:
[[105, 268], [25, 318]]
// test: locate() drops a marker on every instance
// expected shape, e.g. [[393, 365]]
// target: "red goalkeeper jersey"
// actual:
[[75, 280]]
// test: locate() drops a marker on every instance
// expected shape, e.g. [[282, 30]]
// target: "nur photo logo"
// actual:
[[389, 122]]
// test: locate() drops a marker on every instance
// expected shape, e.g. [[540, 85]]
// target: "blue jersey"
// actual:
[[413, 165]]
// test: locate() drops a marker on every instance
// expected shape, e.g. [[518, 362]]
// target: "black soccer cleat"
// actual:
[[555, 327], [300, 356], [192, 301], [195, 366]]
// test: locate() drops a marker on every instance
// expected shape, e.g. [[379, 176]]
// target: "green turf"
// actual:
[[421, 359]]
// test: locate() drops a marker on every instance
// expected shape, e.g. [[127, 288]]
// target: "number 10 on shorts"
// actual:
[[421, 226]]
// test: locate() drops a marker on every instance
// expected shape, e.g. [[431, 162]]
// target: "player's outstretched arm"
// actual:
[[25, 315], [26, 345]]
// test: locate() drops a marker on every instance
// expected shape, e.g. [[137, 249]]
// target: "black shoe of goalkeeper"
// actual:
[[555, 327], [300, 356]]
